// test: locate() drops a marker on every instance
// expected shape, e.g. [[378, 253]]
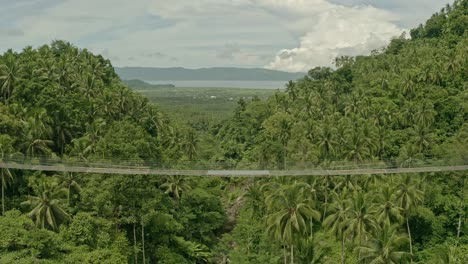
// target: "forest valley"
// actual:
[[407, 103]]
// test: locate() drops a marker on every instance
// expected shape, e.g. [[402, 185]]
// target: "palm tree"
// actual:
[[382, 138], [342, 131], [176, 185], [353, 104], [408, 87], [36, 131], [283, 136], [336, 221], [386, 208], [62, 131], [356, 147], [422, 137], [10, 72], [409, 155], [360, 220], [290, 213], [408, 197], [425, 114], [34, 147], [326, 140], [190, 144], [384, 246], [449, 254], [5, 174], [69, 180], [255, 199], [47, 211], [291, 89]]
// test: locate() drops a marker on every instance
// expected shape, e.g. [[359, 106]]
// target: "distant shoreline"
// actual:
[[244, 84]]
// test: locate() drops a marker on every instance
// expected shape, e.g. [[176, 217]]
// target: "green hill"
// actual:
[[225, 74], [139, 84]]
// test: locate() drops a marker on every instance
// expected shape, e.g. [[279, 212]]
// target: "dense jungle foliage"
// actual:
[[402, 105]]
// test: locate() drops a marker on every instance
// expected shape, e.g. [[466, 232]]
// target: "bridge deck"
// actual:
[[136, 170]]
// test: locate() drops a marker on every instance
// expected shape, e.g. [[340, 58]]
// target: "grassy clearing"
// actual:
[[198, 104]]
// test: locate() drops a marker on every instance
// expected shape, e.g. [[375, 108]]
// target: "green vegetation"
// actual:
[[200, 105], [401, 105]]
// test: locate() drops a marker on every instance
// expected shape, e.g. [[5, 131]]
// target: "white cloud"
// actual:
[[334, 31], [292, 35], [324, 30]]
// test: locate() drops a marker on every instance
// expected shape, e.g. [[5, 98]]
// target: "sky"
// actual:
[[288, 35]]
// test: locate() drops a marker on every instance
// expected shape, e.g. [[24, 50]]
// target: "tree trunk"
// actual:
[[326, 204], [69, 196], [292, 254], [134, 245], [462, 207], [3, 199], [459, 226], [143, 241], [342, 248], [410, 243], [284, 255], [359, 250]]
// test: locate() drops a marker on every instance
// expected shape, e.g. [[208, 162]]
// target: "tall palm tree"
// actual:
[[360, 220], [10, 72], [283, 136], [5, 174], [61, 130], [69, 181], [449, 254], [408, 87], [337, 220], [47, 209], [409, 197], [291, 89], [255, 199], [386, 206], [190, 144], [36, 132], [384, 246], [290, 213], [356, 147], [6, 177], [425, 114], [409, 155], [176, 185], [326, 140], [422, 137]]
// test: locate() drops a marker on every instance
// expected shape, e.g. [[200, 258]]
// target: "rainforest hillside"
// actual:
[[62, 101], [402, 106], [404, 103]]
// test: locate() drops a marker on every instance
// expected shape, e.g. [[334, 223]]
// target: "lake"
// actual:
[[227, 84]]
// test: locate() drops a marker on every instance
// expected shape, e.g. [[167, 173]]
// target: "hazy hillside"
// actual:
[[138, 84], [176, 74]]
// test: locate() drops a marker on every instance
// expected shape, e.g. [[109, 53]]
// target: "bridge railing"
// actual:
[[227, 165]]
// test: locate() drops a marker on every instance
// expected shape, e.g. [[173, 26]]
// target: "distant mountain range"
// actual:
[[206, 74], [138, 84]]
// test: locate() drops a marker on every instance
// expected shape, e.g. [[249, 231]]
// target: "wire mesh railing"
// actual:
[[229, 168]]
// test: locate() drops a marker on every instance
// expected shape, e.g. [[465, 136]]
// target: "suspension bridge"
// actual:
[[142, 168]]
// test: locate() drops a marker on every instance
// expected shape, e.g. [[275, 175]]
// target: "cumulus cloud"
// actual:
[[292, 35], [324, 30], [334, 31]]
